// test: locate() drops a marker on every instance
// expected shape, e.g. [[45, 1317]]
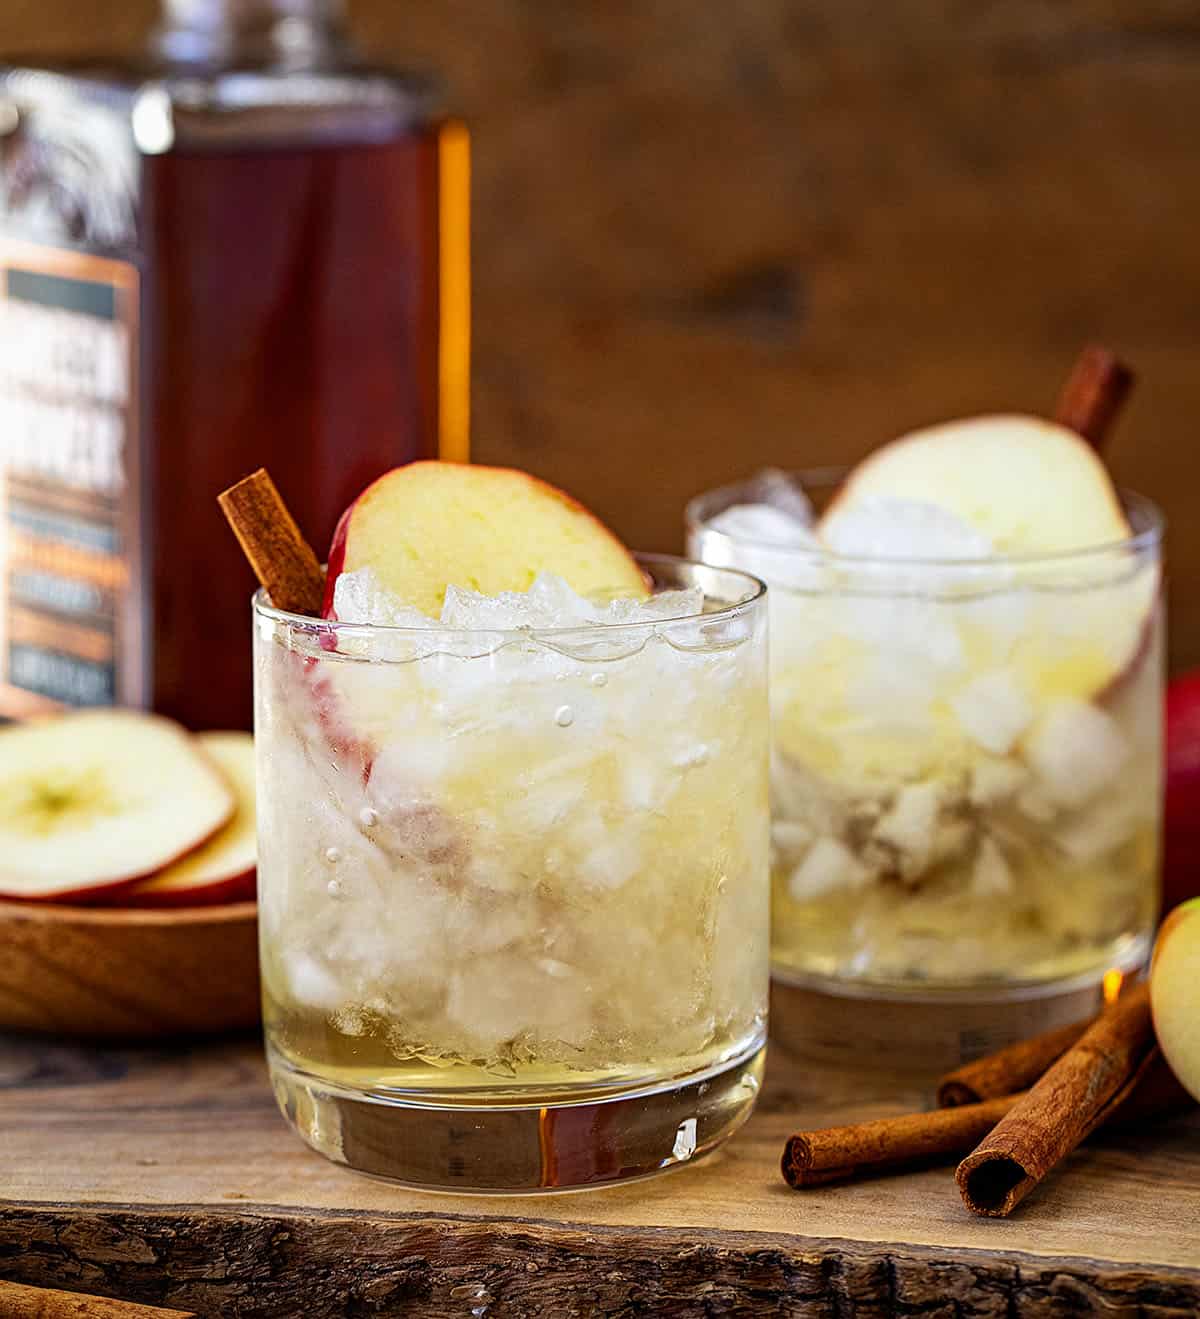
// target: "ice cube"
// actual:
[[782, 491], [766, 525], [910, 827], [1076, 750], [611, 864], [360, 597], [312, 984], [765, 540], [994, 781], [790, 839], [991, 876], [829, 866], [404, 772], [803, 797], [879, 527], [499, 996], [906, 632], [548, 603], [897, 697], [658, 608], [994, 710], [1108, 823]]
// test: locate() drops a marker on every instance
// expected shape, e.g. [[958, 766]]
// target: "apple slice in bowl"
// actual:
[[92, 802], [223, 869]]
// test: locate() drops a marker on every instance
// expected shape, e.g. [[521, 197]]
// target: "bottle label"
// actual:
[[70, 525]]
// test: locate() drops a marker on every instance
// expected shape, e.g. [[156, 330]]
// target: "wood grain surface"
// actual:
[[167, 1177], [713, 236]]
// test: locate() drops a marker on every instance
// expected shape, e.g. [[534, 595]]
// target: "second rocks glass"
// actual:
[[966, 756]]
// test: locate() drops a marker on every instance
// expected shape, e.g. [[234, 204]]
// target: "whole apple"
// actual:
[[1175, 993], [1181, 819]]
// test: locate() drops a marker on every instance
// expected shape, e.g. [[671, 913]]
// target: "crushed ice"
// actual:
[[360, 598]]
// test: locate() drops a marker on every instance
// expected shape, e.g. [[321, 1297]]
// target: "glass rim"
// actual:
[[756, 592], [823, 477]]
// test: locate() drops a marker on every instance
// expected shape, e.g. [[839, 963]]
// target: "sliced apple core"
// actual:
[[96, 800], [430, 525], [223, 869]]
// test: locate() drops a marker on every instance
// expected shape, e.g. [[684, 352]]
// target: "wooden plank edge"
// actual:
[[260, 1260]]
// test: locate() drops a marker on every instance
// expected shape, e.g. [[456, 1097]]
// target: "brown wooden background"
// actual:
[[710, 235]]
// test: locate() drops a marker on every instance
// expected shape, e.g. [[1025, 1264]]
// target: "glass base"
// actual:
[[925, 1030], [520, 1148]]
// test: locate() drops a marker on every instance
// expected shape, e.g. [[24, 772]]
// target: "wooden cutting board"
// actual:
[[167, 1177]]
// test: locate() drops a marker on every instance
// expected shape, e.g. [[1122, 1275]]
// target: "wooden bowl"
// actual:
[[128, 973]]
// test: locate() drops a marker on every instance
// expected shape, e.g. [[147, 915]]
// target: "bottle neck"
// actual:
[[291, 34]]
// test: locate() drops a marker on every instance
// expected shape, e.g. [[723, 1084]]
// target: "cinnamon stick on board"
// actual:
[[1079, 1092], [20, 1302], [815, 1158], [283, 561], [1008, 1070], [1098, 385]]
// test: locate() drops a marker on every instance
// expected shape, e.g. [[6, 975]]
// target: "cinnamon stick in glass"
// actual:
[[1095, 390], [834, 1154], [1008, 1070], [283, 561], [1077, 1094]]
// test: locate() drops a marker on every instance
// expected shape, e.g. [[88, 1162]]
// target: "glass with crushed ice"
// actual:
[[513, 877], [966, 748]]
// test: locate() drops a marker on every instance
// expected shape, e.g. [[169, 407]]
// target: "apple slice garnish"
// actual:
[[223, 869], [1030, 486], [1039, 493], [94, 801], [430, 525]]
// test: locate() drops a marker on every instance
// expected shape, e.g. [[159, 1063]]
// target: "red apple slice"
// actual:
[[93, 801], [223, 869], [431, 525]]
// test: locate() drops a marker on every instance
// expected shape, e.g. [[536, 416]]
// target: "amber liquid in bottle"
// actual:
[[293, 293], [290, 304]]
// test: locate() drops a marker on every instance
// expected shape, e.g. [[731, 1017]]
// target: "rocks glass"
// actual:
[[966, 760], [514, 888]]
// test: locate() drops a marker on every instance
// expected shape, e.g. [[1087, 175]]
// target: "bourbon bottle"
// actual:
[[249, 248]]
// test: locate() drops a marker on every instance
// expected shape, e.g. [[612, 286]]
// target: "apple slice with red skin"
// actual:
[[93, 801], [430, 525], [1175, 993], [1033, 488], [223, 869]]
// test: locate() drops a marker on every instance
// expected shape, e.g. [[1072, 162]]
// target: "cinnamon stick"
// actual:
[[1079, 1092], [283, 561], [815, 1158], [1098, 385], [18, 1301], [1008, 1070]]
